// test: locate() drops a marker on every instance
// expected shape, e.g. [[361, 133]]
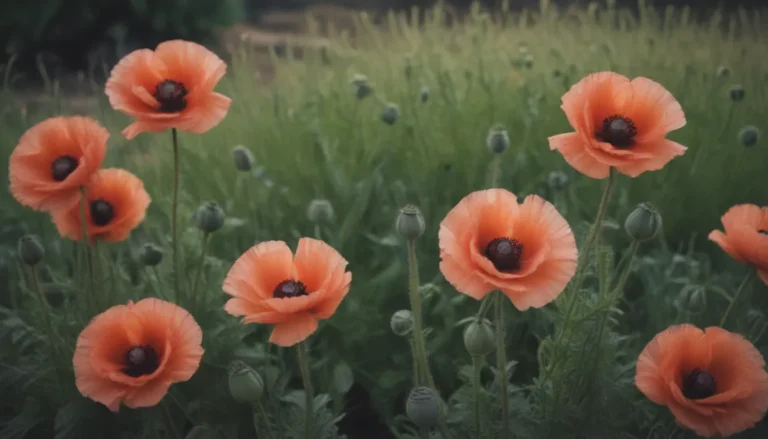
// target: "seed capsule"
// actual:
[[410, 223], [422, 407], [210, 217], [401, 322], [31, 252], [644, 223]]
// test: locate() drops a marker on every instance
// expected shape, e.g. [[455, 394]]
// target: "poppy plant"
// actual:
[[131, 354], [713, 381], [746, 236], [170, 87], [54, 159], [270, 285], [619, 123], [116, 203], [490, 242]]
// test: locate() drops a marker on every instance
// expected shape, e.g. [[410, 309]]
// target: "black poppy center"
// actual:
[[141, 360], [618, 131], [171, 95], [289, 288], [699, 384], [763, 232], [505, 254], [101, 212], [62, 167]]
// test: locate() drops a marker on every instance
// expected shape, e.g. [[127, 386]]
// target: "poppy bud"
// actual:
[[31, 252], [363, 88], [245, 384], [643, 223], [528, 60], [201, 432], [243, 158], [424, 94], [320, 211], [390, 114], [749, 136], [498, 140], [693, 300], [410, 223], [737, 92], [557, 180], [422, 407], [722, 72], [401, 322], [210, 217], [479, 338], [150, 255]]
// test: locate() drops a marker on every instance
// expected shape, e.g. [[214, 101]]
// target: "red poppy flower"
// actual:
[[746, 236]]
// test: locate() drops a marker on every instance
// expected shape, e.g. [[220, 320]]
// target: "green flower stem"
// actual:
[[485, 306], [619, 288], [259, 411], [45, 310], [200, 266], [174, 217], [501, 363], [418, 332], [477, 368], [495, 170], [169, 419], [303, 355], [90, 294], [737, 296], [151, 283], [418, 376]]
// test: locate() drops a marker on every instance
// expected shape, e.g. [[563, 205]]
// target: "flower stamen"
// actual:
[[699, 384], [289, 288], [505, 254], [171, 95], [619, 131], [62, 167], [101, 212], [141, 360]]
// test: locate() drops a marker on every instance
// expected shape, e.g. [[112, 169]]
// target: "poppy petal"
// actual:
[[258, 271], [296, 330], [573, 147], [654, 110], [658, 153]]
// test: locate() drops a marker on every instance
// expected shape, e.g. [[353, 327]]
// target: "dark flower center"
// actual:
[[62, 167], [171, 95], [289, 288], [699, 384], [505, 254], [618, 131], [763, 232], [101, 212], [140, 360]]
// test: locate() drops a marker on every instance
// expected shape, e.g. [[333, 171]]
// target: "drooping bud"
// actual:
[[362, 87], [424, 94], [150, 255], [557, 180], [320, 211], [210, 217], [479, 338], [401, 322], [410, 223], [245, 384], [390, 114], [737, 92], [497, 140], [422, 407], [749, 136], [722, 72], [31, 252], [644, 223], [243, 158]]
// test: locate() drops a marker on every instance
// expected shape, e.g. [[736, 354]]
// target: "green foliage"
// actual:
[[313, 138]]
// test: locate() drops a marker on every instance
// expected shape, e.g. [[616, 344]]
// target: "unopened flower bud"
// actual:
[[737, 92], [401, 322], [422, 407], [245, 384], [320, 211], [31, 252], [497, 140], [390, 114], [479, 338], [643, 223], [424, 93], [210, 217], [557, 180], [410, 223], [201, 432], [722, 72], [749, 136], [693, 300], [362, 87], [528, 60], [150, 255], [243, 158]]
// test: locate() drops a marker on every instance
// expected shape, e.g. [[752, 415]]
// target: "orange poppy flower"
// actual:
[[131, 354], [619, 123], [270, 285], [54, 159], [746, 236], [490, 242], [713, 381], [170, 87], [116, 204]]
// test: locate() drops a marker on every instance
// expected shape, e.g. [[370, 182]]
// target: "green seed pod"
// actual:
[[422, 407], [479, 338], [201, 432], [644, 223], [401, 322], [243, 158], [497, 140], [390, 114], [749, 136], [737, 93], [210, 217], [410, 223], [31, 252], [557, 180], [245, 384], [722, 72], [362, 87], [150, 255], [320, 211], [424, 94]]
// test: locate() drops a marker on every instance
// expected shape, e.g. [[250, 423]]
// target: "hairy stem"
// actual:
[[174, 217], [477, 367], [200, 266], [501, 363], [737, 296], [45, 311], [418, 332], [303, 355]]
